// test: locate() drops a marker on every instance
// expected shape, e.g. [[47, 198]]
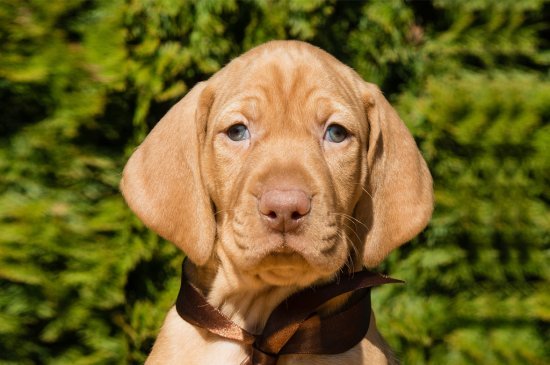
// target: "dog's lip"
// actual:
[[299, 246], [284, 249]]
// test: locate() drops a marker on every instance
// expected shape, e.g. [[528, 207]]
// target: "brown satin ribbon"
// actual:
[[293, 327]]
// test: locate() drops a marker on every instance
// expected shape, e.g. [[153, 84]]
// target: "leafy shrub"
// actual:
[[82, 82]]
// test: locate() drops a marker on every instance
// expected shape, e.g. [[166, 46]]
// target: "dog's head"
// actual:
[[287, 162]]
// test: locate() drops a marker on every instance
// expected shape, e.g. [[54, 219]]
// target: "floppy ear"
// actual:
[[162, 181], [399, 202]]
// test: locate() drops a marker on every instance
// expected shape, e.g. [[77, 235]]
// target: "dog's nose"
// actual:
[[284, 210]]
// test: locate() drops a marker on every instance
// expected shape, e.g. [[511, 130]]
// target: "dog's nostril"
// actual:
[[272, 215], [296, 215]]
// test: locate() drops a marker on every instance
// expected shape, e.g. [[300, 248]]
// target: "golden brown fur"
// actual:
[[201, 190]]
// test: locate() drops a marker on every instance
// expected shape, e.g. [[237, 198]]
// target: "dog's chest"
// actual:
[[191, 345]]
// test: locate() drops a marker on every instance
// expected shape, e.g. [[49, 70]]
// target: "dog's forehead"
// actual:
[[284, 79], [288, 71]]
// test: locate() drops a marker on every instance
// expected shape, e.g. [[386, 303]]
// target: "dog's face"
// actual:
[[282, 162], [286, 163]]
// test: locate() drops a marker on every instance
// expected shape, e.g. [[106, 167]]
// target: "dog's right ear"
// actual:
[[162, 180]]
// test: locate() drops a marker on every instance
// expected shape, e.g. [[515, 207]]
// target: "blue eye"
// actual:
[[335, 133], [238, 132]]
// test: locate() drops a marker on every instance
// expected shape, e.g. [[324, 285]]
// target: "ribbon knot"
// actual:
[[259, 357], [294, 326]]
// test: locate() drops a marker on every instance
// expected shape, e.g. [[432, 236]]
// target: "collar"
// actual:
[[293, 327]]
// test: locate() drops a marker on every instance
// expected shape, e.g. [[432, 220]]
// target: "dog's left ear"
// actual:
[[398, 201]]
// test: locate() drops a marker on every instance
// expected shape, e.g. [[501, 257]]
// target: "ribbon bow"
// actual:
[[293, 327]]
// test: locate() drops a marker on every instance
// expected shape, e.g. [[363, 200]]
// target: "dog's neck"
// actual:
[[245, 300]]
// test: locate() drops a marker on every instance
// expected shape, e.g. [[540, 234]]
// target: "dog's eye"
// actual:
[[336, 133], [238, 132]]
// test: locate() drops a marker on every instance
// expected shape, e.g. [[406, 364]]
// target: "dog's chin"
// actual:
[[287, 269], [277, 277]]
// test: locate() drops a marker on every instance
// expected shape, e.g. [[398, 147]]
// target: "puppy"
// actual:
[[283, 170]]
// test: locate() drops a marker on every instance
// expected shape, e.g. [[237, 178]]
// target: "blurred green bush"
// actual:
[[82, 81]]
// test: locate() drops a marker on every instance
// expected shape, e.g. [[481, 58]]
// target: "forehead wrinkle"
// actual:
[[266, 91], [249, 106], [244, 104], [272, 86], [299, 102], [296, 81], [277, 79], [281, 78], [325, 108], [343, 86]]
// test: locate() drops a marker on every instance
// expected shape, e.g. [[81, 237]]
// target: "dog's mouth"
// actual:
[[290, 264], [289, 258], [283, 249]]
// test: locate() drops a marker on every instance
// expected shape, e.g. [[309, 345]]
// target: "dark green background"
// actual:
[[82, 82]]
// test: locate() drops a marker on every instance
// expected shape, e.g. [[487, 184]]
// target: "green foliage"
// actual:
[[480, 282], [81, 82]]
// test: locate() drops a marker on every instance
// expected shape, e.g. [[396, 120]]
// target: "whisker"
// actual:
[[364, 190], [350, 243], [353, 247], [353, 219], [354, 232], [345, 238]]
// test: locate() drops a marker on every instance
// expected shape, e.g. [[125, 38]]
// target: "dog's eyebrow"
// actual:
[[327, 106], [246, 105]]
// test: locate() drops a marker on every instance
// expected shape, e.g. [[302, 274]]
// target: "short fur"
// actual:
[[199, 189]]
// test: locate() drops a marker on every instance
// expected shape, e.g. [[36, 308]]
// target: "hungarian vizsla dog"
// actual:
[[281, 171]]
